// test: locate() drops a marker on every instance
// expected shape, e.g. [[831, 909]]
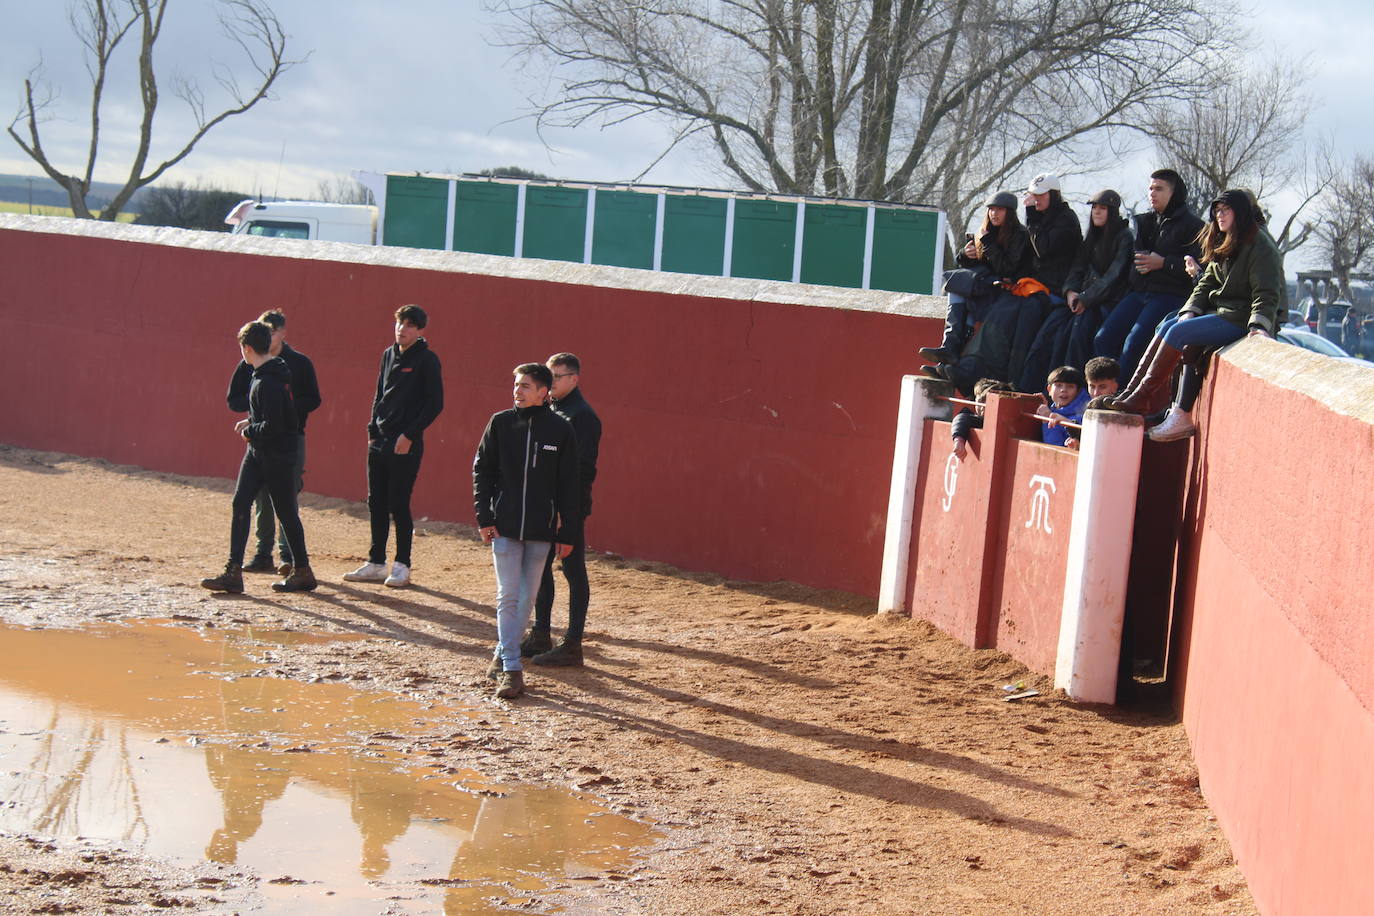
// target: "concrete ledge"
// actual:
[[774, 291], [1346, 388]]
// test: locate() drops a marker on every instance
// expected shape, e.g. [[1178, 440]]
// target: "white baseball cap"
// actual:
[[1043, 183]]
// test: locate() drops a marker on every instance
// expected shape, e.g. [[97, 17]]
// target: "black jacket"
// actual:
[[1056, 235], [272, 420], [1172, 234], [410, 394], [1102, 270], [1015, 261], [587, 424], [526, 479], [965, 422], [305, 389]]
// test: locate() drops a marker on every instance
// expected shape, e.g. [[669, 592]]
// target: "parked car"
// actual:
[[1317, 344]]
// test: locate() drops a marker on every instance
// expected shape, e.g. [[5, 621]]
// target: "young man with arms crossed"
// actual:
[[568, 402], [271, 432], [410, 394], [305, 391], [526, 489]]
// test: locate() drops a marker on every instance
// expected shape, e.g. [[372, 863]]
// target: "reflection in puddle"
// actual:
[[157, 737]]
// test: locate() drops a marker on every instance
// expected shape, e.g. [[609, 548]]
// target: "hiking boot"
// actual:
[[261, 563], [938, 354], [284, 569], [368, 572], [301, 579], [536, 642], [510, 685], [495, 668], [400, 576], [231, 580], [567, 653]]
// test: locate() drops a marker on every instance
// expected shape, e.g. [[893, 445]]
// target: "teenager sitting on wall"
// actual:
[[992, 287], [1238, 293], [1098, 279]]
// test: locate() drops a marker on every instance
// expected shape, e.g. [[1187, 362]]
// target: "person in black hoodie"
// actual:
[[1164, 238], [1054, 230], [527, 493], [410, 394], [305, 392], [271, 432], [565, 397]]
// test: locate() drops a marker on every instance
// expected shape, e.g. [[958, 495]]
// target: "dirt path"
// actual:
[[800, 754]]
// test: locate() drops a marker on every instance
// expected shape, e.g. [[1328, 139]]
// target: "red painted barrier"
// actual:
[[746, 437]]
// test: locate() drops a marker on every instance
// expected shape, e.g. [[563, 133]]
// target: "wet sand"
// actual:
[[783, 749]]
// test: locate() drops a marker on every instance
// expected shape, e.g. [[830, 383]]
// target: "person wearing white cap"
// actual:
[[1054, 230]]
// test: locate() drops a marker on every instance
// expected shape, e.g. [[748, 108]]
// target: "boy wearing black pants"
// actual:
[[410, 394], [271, 432]]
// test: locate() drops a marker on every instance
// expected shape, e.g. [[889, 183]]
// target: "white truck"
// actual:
[[299, 219]]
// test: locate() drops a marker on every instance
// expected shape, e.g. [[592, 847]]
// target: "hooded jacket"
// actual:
[[1172, 234], [1102, 269], [1244, 288], [1056, 235], [305, 389], [272, 421], [526, 479], [410, 393], [575, 409]]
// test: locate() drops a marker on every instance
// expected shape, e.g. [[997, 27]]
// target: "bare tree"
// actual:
[[1244, 133], [102, 26], [343, 190], [1344, 227], [935, 101]]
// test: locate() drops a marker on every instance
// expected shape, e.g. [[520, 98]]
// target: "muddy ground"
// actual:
[[800, 754]]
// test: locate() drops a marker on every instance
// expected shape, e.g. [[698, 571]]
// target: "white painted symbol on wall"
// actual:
[[951, 481], [1040, 503]]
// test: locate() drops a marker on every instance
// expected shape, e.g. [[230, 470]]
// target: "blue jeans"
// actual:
[[1201, 331], [519, 566], [1127, 331]]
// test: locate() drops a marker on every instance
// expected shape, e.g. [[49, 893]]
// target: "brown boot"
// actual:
[[496, 666], [1155, 380], [231, 580], [301, 579], [1110, 401], [510, 685], [567, 653]]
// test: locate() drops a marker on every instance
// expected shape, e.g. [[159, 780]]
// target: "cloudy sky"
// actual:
[[421, 85]]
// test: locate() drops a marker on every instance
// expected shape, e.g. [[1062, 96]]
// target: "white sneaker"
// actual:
[[400, 576], [368, 572], [1178, 424]]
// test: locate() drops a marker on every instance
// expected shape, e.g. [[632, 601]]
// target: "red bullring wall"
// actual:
[[745, 433], [1274, 636]]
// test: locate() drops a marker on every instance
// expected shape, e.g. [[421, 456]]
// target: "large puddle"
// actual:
[[160, 737]]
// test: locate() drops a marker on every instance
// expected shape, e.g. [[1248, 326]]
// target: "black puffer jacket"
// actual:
[[1013, 262], [1056, 234], [1102, 270], [526, 479], [1172, 234]]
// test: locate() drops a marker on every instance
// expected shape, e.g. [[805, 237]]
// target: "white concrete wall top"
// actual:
[[1346, 388], [833, 297]]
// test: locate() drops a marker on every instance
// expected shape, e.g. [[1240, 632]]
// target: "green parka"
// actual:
[[1245, 289]]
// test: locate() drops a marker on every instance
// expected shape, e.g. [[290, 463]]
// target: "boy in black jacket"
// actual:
[[410, 394], [271, 433], [305, 392], [526, 489]]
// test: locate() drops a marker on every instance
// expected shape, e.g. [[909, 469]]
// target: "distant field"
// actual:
[[9, 206]]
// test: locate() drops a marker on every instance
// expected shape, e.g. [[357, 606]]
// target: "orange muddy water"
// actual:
[[174, 742]]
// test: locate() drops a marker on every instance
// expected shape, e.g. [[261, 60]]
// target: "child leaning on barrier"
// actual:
[[970, 419], [1068, 399], [1104, 378]]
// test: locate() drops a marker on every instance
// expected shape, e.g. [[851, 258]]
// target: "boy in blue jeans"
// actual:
[[1068, 392]]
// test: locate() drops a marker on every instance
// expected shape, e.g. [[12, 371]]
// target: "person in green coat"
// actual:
[[1238, 293]]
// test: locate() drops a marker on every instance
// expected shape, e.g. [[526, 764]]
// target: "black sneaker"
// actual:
[[262, 563], [231, 580], [536, 642], [567, 653]]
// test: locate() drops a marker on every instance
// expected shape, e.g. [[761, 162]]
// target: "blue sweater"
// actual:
[[1055, 435]]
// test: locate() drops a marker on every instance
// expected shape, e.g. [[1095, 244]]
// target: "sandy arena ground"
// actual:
[[801, 754]]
